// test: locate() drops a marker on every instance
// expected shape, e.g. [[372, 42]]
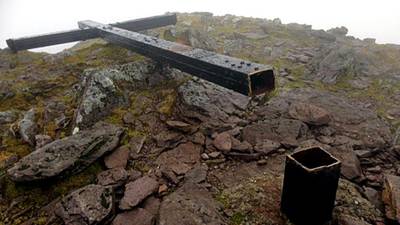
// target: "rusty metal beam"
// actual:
[[85, 34], [245, 77]]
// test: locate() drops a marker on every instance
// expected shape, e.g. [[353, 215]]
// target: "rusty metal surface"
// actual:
[[236, 74], [85, 34], [309, 187]]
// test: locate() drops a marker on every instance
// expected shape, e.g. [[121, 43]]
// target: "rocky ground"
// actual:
[[97, 134]]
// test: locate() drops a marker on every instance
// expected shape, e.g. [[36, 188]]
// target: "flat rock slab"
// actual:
[[309, 113], [137, 216], [180, 159], [86, 206], [137, 191], [391, 197], [118, 158], [70, 154], [285, 131], [190, 204]]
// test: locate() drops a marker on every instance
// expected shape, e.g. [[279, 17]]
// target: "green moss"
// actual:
[[237, 218]]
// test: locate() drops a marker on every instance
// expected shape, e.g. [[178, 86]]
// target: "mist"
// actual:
[[364, 19]]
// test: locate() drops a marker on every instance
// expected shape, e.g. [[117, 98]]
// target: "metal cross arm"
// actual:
[[85, 34], [242, 76]]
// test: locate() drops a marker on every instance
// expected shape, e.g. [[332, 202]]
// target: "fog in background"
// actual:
[[375, 19]]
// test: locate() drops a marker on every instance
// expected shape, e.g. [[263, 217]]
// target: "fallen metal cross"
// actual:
[[242, 76]]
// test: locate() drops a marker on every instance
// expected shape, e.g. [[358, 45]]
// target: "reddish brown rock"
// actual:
[[137, 216], [113, 177], [137, 191], [118, 158], [223, 142], [309, 113], [152, 205], [181, 159], [349, 220], [391, 197], [179, 125]]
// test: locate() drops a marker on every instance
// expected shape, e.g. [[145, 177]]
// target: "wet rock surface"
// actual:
[[70, 154]]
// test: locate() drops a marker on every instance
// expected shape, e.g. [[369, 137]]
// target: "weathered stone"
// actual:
[[349, 220], [285, 131], [99, 95], [350, 168], [118, 158], [70, 154], [137, 191], [197, 175], [136, 216], [195, 206], [241, 146], [211, 100], [266, 146], [8, 117], [85, 206], [181, 159], [152, 205], [42, 140], [179, 125], [391, 197], [223, 142], [114, 177], [373, 196], [309, 113], [28, 127]]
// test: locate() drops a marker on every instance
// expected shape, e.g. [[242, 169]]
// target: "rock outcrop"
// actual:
[[70, 154]]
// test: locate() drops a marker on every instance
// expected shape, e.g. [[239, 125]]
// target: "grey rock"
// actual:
[[42, 140], [86, 206], [338, 31], [211, 100], [70, 154], [136, 191], [8, 117], [351, 168], [99, 95], [5, 90], [195, 206], [28, 127]]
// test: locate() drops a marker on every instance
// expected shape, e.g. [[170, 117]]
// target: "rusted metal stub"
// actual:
[[242, 76], [310, 185], [85, 34]]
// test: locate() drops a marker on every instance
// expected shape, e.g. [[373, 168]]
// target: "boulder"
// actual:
[[114, 177], [99, 95], [194, 204], [136, 191], [70, 154], [391, 197], [211, 100], [28, 127], [309, 113], [136, 216], [85, 206], [180, 159], [118, 158]]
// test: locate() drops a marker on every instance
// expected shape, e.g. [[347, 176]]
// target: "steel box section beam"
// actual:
[[245, 77], [85, 34]]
